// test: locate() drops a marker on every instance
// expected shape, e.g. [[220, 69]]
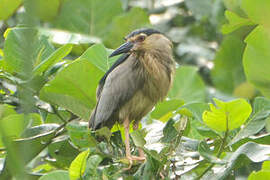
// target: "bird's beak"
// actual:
[[124, 48]]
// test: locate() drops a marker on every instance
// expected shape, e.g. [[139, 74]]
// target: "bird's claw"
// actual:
[[133, 158]]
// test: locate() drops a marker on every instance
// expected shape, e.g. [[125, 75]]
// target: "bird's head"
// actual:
[[143, 40]]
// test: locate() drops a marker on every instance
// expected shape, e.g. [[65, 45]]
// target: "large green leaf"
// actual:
[[227, 115], [92, 16], [79, 134], [91, 171], [78, 165], [257, 11], [98, 55], [19, 123], [62, 152], [228, 70], [164, 110], [122, 25], [138, 138], [256, 59], [24, 48], [22, 151], [261, 110], [8, 7], [46, 10], [254, 152], [235, 6], [264, 173], [194, 110], [74, 88], [235, 22], [53, 58], [6, 110], [188, 85], [58, 174]]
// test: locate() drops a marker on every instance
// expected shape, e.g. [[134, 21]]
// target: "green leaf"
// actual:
[[20, 55], [53, 118], [78, 165], [104, 132], [261, 110], [122, 25], [74, 88], [205, 152], [8, 7], [43, 9], [257, 11], [254, 152], [138, 138], [259, 175], [235, 6], [98, 55], [63, 37], [53, 58], [194, 110], [22, 151], [38, 130], [228, 71], [188, 85], [58, 174], [256, 59], [264, 173], [169, 132], [6, 110], [266, 166], [79, 134], [166, 107], [93, 17], [207, 132], [19, 123], [62, 152], [91, 170], [235, 22], [235, 113]]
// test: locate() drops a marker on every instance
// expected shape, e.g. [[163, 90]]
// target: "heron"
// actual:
[[135, 83]]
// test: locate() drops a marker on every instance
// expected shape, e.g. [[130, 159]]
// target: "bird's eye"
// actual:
[[141, 38]]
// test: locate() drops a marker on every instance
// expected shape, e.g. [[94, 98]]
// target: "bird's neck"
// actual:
[[158, 69]]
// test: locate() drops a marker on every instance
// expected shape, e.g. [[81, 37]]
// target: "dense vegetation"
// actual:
[[215, 123]]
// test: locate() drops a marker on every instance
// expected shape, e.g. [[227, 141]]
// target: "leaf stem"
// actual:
[[220, 150], [57, 114]]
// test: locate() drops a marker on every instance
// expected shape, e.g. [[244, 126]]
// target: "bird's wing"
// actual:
[[119, 87], [102, 80]]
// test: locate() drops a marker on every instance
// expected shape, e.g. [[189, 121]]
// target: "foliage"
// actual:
[[53, 54]]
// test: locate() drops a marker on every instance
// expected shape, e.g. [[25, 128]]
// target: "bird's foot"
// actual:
[[133, 158], [138, 158]]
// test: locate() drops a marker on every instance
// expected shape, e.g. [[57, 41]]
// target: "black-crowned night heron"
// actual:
[[140, 78]]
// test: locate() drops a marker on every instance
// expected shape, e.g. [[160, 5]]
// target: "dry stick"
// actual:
[[221, 148]]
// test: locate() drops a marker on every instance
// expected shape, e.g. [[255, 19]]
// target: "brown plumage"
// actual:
[[135, 83]]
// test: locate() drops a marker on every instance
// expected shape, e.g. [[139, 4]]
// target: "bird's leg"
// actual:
[[128, 153], [141, 153], [126, 127]]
